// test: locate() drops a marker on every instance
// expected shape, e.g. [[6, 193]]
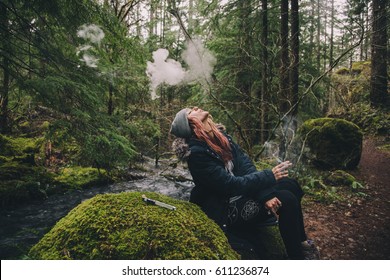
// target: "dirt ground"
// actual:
[[358, 229]]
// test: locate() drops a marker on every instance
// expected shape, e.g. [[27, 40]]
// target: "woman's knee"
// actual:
[[288, 199], [290, 185]]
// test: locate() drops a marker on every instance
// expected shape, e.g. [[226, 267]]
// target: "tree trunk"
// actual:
[[331, 43], [295, 56], [110, 99], [318, 36], [379, 96], [244, 78], [264, 72], [284, 58], [311, 32], [285, 101], [4, 91]]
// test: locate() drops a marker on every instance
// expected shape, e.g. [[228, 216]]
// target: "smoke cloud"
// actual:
[[163, 70], [92, 34], [199, 61]]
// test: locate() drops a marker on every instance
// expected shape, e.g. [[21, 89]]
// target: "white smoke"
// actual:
[[90, 60], [163, 70], [199, 60], [93, 34]]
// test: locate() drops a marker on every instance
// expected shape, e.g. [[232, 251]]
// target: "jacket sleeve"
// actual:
[[210, 172]]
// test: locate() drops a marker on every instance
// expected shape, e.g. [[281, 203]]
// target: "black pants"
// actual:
[[245, 212]]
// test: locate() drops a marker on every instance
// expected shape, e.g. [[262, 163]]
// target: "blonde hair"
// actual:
[[219, 143]]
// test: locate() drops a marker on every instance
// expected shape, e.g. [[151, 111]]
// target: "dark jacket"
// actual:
[[214, 185]]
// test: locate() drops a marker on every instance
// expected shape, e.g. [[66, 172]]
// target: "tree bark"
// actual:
[[264, 72], [379, 96], [284, 58], [295, 55], [4, 91]]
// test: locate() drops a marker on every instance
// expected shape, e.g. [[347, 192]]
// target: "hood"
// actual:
[[181, 148]]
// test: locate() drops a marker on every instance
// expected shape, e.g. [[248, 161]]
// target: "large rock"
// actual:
[[123, 226], [333, 143]]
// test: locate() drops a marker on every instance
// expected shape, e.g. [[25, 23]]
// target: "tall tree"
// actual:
[[284, 58], [379, 95], [285, 91], [5, 65], [331, 41], [264, 71], [295, 55]]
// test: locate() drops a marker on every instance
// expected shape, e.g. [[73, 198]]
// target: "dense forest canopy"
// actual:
[[109, 76]]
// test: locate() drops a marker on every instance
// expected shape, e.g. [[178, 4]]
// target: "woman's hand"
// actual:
[[281, 170], [273, 205]]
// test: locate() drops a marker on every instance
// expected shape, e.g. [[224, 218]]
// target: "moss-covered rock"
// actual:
[[340, 178], [20, 149], [80, 177], [19, 146], [20, 182], [123, 226], [333, 143]]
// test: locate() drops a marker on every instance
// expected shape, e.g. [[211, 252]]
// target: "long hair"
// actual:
[[220, 144]]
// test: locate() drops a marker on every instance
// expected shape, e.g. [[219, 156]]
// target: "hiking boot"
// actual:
[[310, 250]]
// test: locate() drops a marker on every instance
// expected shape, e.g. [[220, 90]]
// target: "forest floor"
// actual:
[[359, 228]]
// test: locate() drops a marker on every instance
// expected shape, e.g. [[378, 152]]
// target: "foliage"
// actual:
[[107, 150], [21, 183], [351, 85], [331, 186], [55, 78], [373, 121], [123, 226]]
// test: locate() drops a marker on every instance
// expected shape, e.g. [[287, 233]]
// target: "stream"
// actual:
[[24, 226]]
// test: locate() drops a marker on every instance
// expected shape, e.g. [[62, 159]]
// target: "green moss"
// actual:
[[342, 71], [14, 170], [24, 124], [273, 245], [79, 177], [359, 66], [21, 183], [4, 159], [45, 125], [261, 165], [352, 85], [19, 146], [340, 178], [385, 148], [123, 226], [334, 143]]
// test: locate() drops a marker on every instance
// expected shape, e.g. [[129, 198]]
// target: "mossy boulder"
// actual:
[[123, 226], [19, 148], [21, 182], [340, 178], [77, 177], [333, 143]]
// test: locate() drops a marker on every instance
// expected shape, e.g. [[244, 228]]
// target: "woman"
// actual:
[[231, 191]]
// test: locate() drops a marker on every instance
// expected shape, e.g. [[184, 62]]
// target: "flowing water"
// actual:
[[24, 226]]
